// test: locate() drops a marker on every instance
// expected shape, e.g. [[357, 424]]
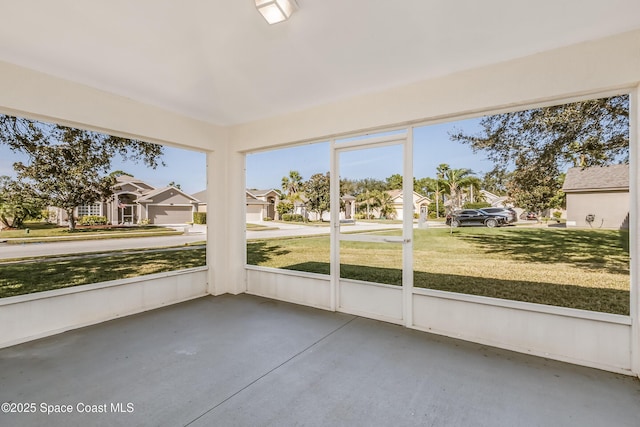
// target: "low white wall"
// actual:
[[592, 339], [27, 317], [372, 300], [301, 288]]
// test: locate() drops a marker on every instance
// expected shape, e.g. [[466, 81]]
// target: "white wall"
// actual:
[[31, 316]]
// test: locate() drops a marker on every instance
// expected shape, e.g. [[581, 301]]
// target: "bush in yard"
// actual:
[[93, 220], [199, 217], [284, 207], [293, 217], [432, 210], [557, 215]]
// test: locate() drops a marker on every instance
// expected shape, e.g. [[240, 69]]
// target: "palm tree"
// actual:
[[385, 204], [457, 180], [292, 184]]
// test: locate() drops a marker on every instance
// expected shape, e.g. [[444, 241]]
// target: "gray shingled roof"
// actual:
[[597, 178]]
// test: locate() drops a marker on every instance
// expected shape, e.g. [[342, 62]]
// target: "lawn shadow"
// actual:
[[571, 296], [260, 252], [602, 250], [36, 276]]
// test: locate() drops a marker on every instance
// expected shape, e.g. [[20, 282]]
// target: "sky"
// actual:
[[432, 146], [184, 167]]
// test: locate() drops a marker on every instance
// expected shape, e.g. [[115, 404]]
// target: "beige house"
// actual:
[[397, 199], [598, 197], [134, 202], [419, 201], [262, 204]]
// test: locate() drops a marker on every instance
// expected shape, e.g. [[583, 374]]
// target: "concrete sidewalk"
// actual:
[[248, 361]]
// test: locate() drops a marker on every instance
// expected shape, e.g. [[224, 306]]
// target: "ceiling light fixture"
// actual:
[[275, 11]]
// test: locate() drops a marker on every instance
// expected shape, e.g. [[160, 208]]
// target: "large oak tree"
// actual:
[[70, 167], [540, 143]]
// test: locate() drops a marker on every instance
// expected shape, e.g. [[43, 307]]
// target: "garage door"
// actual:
[[170, 214], [254, 213]]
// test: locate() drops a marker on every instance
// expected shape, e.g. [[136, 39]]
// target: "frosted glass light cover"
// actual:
[[275, 11]]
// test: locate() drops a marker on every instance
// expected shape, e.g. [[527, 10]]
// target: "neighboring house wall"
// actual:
[[602, 191], [610, 209]]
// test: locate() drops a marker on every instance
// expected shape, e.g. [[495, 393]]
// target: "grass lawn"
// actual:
[[50, 232], [25, 278], [259, 227], [584, 269]]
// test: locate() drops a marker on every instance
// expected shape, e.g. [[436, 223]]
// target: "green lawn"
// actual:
[[585, 269], [25, 278], [43, 232]]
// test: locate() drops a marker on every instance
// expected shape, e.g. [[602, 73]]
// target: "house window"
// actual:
[[85, 210]]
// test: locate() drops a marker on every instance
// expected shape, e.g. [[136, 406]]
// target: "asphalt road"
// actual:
[[60, 248]]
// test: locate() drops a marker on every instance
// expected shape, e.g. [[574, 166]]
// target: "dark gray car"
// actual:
[[471, 217], [511, 214]]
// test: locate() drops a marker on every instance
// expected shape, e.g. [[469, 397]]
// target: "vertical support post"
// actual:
[[214, 216], [335, 226], [634, 237], [226, 244], [407, 231]]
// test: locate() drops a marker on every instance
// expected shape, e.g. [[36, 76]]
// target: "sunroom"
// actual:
[[359, 76]]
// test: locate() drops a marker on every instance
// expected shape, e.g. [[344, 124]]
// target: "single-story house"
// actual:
[[262, 204], [495, 200], [397, 200], [134, 202], [598, 197], [420, 202]]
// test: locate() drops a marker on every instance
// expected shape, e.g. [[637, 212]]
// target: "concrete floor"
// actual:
[[248, 361]]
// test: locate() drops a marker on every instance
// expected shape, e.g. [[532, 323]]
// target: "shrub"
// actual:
[[557, 214], [432, 209], [144, 222], [199, 217], [92, 220], [292, 217], [284, 207]]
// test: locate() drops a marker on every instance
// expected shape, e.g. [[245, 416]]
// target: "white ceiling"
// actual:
[[219, 61]]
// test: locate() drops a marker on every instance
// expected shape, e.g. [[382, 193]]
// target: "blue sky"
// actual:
[[432, 146], [185, 167]]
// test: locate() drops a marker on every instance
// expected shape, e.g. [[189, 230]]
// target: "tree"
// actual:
[[543, 142], [284, 207], [69, 167], [317, 189], [394, 182], [173, 184], [384, 203], [292, 183], [18, 203], [497, 181], [456, 180]]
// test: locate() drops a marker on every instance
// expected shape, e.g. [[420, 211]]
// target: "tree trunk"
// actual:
[[72, 220]]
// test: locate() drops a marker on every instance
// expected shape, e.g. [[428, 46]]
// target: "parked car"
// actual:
[[510, 213], [471, 217]]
